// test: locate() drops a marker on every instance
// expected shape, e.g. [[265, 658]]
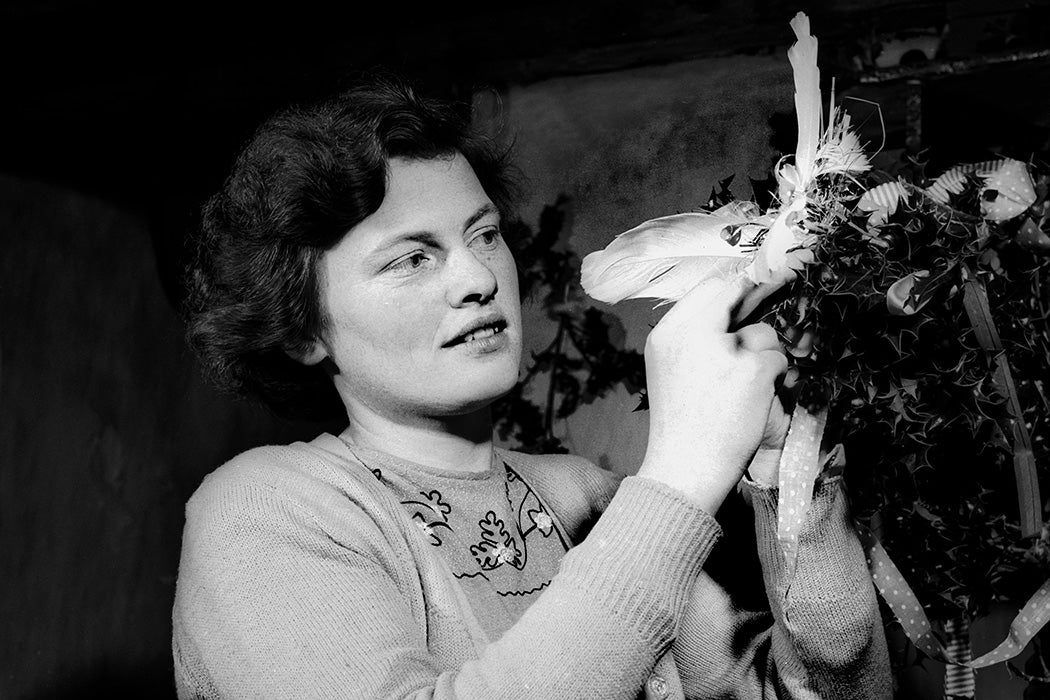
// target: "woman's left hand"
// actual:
[[765, 465]]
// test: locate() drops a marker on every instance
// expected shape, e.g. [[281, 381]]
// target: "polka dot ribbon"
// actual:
[[799, 468], [902, 601]]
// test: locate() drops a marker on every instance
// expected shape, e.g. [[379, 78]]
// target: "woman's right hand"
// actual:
[[712, 392]]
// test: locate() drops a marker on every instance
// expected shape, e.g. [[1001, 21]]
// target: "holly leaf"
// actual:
[[721, 195]]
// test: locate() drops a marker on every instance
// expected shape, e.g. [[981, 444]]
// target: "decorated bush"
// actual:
[[915, 314]]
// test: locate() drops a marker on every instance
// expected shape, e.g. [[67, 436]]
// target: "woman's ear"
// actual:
[[310, 353]]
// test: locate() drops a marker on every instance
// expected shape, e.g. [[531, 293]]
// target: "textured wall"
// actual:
[[633, 145]]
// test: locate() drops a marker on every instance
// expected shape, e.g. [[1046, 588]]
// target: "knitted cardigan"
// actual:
[[302, 576]]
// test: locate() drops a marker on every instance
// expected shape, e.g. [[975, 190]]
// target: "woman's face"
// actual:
[[422, 298]]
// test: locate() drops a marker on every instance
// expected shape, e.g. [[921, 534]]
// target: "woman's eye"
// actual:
[[409, 262], [487, 238]]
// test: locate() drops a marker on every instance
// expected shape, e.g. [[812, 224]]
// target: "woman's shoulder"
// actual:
[[275, 514], [565, 467], [315, 480], [576, 488], [323, 461]]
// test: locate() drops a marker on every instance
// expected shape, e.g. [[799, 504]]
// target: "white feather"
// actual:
[[841, 152], [666, 257]]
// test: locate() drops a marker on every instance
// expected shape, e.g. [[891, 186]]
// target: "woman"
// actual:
[[353, 259]]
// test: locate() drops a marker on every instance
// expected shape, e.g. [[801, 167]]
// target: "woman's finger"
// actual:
[[775, 363], [711, 303], [758, 337], [796, 260]]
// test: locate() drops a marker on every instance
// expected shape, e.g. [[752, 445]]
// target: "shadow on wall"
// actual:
[[106, 428], [111, 680]]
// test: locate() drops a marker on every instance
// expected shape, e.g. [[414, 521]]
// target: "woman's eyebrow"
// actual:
[[428, 238], [483, 211], [378, 255]]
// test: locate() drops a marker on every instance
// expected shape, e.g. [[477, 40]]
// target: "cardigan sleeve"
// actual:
[[823, 639], [270, 603]]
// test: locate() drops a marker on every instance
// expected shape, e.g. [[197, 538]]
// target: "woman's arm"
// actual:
[[272, 604], [823, 640]]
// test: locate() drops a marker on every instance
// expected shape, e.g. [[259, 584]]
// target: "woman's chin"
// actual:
[[481, 398]]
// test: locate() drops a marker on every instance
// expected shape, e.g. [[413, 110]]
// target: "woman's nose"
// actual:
[[471, 281]]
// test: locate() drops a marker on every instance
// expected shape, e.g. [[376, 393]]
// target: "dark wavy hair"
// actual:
[[305, 178]]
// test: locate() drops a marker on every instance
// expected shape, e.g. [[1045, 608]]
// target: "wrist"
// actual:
[[764, 468], [705, 482]]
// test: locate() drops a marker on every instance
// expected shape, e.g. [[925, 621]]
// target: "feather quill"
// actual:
[[771, 257], [803, 57]]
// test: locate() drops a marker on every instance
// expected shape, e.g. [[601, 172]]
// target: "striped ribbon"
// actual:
[[954, 180], [882, 201], [885, 196], [958, 679], [978, 310], [1009, 178]]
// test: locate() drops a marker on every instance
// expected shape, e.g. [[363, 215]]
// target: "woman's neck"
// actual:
[[456, 443]]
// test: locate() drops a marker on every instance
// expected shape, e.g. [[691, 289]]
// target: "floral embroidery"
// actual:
[[428, 528], [531, 513], [501, 537], [497, 547], [436, 504], [504, 554], [542, 521]]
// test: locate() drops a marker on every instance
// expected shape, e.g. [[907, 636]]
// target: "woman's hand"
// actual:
[[712, 398], [765, 465]]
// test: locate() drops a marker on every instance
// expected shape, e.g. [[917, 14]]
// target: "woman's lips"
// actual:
[[483, 340], [484, 327]]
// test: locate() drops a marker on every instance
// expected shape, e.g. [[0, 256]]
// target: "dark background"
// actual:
[[118, 119], [144, 104]]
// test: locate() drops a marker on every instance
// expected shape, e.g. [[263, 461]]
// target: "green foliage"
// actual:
[[585, 360]]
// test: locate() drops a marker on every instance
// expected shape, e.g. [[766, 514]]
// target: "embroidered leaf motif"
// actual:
[[437, 504], [497, 547]]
